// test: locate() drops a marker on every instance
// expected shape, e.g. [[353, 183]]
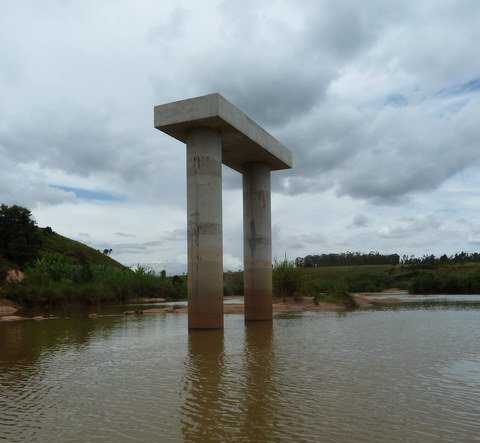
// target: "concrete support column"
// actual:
[[204, 214], [257, 242]]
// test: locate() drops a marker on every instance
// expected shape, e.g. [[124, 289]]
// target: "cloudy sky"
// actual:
[[379, 102]]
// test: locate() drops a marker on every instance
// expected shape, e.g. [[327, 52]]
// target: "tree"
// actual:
[[19, 236]]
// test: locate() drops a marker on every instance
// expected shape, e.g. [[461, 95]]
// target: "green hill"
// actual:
[[77, 252], [58, 270]]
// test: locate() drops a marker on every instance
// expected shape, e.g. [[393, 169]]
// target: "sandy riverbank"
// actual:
[[10, 312], [7, 308], [280, 306]]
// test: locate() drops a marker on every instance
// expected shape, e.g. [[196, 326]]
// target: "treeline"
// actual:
[[347, 259], [375, 258], [431, 260]]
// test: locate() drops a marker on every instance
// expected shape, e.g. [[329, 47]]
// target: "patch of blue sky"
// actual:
[[463, 88], [88, 194], [396, 100]]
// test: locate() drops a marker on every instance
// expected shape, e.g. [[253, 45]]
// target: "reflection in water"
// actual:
[[407, 375], [229, 397], [25, 349], [260, 395], [23, 342], [201, 411]]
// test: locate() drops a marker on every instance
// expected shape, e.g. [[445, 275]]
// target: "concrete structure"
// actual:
[[217, 132], [257, 242]]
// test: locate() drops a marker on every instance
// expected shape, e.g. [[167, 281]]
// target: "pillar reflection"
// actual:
[[201, 409], [230, 395], [260, 390]]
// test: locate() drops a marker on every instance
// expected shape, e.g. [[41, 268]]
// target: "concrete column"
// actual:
[[257, 242], [204, 208]]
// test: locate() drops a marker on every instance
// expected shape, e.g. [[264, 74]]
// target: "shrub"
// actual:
[[287, 278], [52, 266], [233, 283]]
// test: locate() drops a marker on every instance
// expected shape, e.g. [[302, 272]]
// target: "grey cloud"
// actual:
[[276, 79], [163, 242], [409, 227], [90, 115], [20, 184], [360, 221], [413, 151], [123, 234]]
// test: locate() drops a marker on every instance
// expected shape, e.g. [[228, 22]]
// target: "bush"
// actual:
[[51, 267], [446, 280], [233, 283], [287, 279]]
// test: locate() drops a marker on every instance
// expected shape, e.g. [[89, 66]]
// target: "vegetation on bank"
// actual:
[[22, 242], [446, 279], [335, 283], [427, 260], [59, 270], [348, 258], [56, 279]]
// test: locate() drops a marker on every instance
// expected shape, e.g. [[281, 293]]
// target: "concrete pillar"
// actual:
[[257, 242], [204, 213]]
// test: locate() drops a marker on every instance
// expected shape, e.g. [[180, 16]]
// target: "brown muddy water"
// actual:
[[374, 376]]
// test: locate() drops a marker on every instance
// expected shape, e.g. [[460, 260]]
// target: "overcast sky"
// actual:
[[379, 102]]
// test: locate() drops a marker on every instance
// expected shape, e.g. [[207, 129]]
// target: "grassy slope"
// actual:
[[78, 252]]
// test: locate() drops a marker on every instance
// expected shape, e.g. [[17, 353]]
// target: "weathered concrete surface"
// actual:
[[243, 140], [204, 214], [257, 249]]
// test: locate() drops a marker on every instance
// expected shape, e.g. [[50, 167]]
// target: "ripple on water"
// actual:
[[375, 376]]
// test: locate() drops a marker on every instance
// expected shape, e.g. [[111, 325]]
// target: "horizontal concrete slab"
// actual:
[[243, 140]]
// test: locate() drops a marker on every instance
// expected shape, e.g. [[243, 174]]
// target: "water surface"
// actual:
[[403, 375]]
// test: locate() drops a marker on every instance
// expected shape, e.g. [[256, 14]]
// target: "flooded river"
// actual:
[[368, 376]]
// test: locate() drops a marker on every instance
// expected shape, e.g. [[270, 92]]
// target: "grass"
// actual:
[[77, 252]]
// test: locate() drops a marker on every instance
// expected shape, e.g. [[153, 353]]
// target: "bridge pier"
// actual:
[[257, 242], [217, 132], [204, 231]]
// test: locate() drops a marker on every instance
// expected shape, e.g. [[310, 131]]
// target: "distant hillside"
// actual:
[[79, 253], [75, 250], [22, 242]]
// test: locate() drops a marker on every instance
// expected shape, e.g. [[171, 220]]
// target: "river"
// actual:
[[409, 374]]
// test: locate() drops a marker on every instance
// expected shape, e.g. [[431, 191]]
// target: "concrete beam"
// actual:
[[243, 140], [257, 243]]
